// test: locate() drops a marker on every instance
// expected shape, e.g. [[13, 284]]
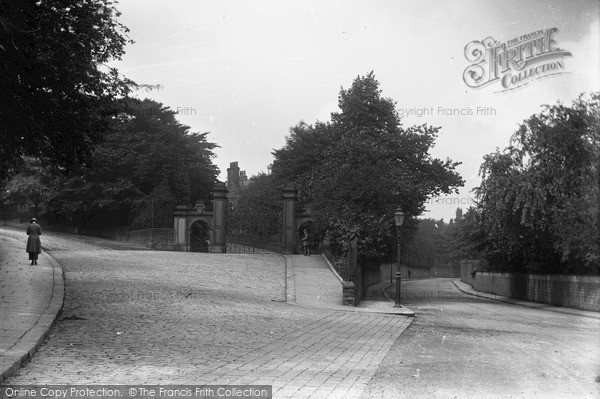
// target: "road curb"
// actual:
[[290, 283], [29, 343], [408, 313], [385, 294]]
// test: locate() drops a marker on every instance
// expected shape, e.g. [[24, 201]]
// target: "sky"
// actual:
[[248, 71]]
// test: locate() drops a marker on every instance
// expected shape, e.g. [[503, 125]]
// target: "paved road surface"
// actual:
[[461, 347], [141, 317]]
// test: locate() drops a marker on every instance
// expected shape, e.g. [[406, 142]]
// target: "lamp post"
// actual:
[[399, 219]]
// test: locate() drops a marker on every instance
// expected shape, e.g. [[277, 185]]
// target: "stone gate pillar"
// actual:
[[290, 198], [180, 238], [218, 221]]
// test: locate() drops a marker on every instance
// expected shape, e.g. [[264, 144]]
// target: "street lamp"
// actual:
[[399, 219]]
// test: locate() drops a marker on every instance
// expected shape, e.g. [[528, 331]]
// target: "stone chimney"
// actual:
[[233, 174], [243, 179]]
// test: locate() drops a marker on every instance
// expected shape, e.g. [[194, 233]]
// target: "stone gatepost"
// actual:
[[218, 221], [348, 293], [180, 238], [290, 199], [353, 268]]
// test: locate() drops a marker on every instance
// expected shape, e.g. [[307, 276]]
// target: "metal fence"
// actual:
[[153, 214]]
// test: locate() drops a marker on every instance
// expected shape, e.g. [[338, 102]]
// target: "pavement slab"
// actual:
[[314, 283], [30, 300]]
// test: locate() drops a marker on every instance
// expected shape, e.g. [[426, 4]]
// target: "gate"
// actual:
[[229, 228], [199, 236], [253, 232]]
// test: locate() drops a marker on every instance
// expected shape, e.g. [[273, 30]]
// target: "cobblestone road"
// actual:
[[140, 317]]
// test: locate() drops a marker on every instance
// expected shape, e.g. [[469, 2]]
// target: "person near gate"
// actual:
[[34, 244], [306, 243]]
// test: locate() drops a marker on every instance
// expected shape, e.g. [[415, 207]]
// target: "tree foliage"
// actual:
[[423, 251], [27, 190], [147, 162], [439, 244], [56, 91], [465, 235], [262, 195], [357, 169], [539, 199]]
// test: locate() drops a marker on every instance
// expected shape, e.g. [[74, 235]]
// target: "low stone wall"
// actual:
[[415, 272], [348, 294], [160, 239], [113, 233], [581, 292], [446, 271], [10, 222], [371, 277], [157, 239], [16, 224]]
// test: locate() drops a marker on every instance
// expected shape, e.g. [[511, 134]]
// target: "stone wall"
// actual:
[[415, 272], [371, 277], [113, 233], [581, 292], [160, 239], [10, 222], [157, 239], [447, 271]]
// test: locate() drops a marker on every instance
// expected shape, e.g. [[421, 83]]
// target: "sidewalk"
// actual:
[[312, 282], [30, 299], [467, 289]]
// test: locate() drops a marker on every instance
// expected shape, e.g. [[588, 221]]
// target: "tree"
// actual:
[[423, 249], [465, 236], [145, 164], [538, 202], [28, 189], [262, 195], [56, 91], [355, 170]]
